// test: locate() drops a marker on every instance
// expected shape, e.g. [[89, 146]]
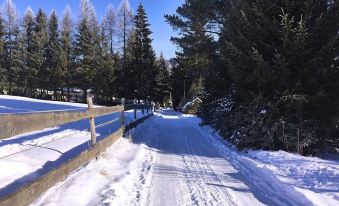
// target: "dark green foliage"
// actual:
[[42, 60], [30, 72], [274, 76], [11, 60], [162, 88], [177, 86], [2, 70], [141, 68], [55, 56], [197, 45], [105, 70], [40, 39], [67, 49], [85, 52]]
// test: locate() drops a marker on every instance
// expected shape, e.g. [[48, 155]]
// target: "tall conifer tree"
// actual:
[[2, 70], [67, 47], [162, 80], [40, 39], [55, 56], [143, 62], [85, 49], [11, 44], [31, 72]]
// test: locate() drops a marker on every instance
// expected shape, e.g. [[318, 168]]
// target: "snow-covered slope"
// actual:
[[24, 157], [15, 104], [174, 161]]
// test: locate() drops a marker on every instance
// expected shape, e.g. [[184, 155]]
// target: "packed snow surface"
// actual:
[[171, 160]]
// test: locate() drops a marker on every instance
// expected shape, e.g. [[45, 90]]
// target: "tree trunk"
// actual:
[[41, 91], [62, 94], [84, 98], [68, 94], [55, 94], [10, 85]]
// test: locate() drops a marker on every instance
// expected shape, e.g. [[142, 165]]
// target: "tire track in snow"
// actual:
[[176, 162], [205, 173], [166, 179], [261, 180]]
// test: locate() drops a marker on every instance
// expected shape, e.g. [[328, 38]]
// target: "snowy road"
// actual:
[[174, 161], [189, 170]]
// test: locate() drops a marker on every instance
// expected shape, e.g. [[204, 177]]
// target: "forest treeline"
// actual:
[[267, 71], [47, 57]]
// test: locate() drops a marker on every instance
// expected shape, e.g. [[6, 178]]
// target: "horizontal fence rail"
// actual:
[[16, 124]]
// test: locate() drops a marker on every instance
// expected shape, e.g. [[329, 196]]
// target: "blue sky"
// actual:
[[155, 9]]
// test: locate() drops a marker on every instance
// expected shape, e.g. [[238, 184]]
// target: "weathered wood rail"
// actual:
[[15, 124]]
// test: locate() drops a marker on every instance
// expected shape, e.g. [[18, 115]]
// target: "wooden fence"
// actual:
[[15, 124]]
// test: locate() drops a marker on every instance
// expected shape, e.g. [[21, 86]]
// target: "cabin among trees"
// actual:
[[192, 107]]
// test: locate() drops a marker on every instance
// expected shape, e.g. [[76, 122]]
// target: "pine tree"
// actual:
[[125, 22], [125, 74], [29, 75], [11, 46], [274, 68], [197, 46], [269, 53], [110, 26], [84, 49], [143, 62], [2, 70], [19, 60], [110, 57], [67, 47], [177, 86], [99, 60], [40, 39], [55, 56], [104, 65], [163, 80]]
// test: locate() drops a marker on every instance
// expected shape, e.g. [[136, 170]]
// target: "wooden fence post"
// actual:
[[298, 144], [135, 114], [153, 104], [91, 122], [122, 115]]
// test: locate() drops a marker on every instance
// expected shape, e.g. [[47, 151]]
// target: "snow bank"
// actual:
[[305, 173], [285, 174], [118, 178]]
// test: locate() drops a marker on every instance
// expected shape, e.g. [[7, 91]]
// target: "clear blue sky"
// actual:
[[155, 9]]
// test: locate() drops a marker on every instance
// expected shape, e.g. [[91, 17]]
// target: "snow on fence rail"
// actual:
[[15, 124]]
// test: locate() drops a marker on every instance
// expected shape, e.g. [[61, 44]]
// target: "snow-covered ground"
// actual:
[[315, 178], [24, 157], [173, 161]]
